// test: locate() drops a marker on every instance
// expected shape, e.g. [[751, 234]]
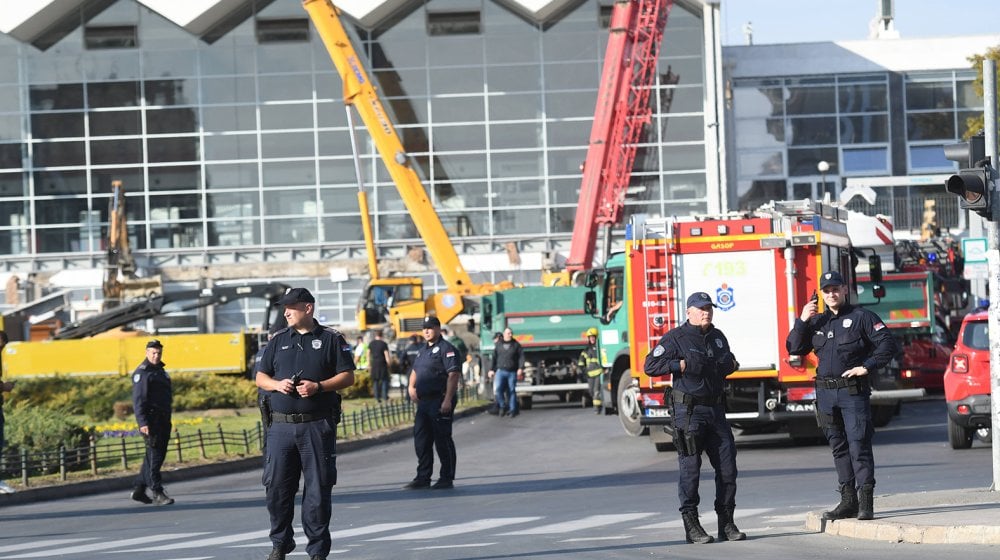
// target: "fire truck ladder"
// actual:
[[622, 111]]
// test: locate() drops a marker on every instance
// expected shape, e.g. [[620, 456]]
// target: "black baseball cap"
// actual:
[[431, 321], [832, 278], [699, 300], [296, 295], [154, 344]]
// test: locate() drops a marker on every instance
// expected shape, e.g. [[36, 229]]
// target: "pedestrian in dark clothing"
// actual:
[[434, 387], [302, 368], [698, 357], [152, 398], [508, 367], [378, 367], [407, 357], [850, 343]]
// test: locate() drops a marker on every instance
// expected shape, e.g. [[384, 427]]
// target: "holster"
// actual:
[[264, 404], [688, 444], [337, 409]]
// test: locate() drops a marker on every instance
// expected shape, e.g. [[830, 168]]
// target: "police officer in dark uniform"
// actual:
[[152, 398], [698, 357], [301, 368], [434, 387], [850, 342]]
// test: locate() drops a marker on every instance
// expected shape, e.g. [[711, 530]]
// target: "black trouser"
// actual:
[[309, 448], [156, 452], [431, 430], [847, 422], [715, 438]]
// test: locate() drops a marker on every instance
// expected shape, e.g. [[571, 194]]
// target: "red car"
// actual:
[[967, 383]]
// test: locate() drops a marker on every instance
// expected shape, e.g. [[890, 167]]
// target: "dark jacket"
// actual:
[[854, 337], [508, 356], [707, 360], [152, 393]]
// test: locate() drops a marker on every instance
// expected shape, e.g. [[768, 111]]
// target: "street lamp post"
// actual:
[[823, 166]]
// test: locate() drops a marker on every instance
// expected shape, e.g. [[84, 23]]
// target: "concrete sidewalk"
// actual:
[[966, 516]]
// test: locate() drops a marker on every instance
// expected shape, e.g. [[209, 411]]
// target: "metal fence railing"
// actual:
[[123, 452]]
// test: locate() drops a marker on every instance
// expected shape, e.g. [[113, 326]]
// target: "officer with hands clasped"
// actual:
[[434, 387], [301, 368], [850, 342], [698, 357], [152, 399]]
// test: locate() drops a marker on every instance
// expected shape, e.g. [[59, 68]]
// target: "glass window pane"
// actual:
[[810, 131], [232, 175], [758, 102], [573, 46], [233, 204], [760, 133], [132, 180], [682, 129], [57, 154], [168, 62], [966, 119], [570, 104], [286, 116], [60, 182], [452, 109], [11, 156], [522, 220], [866, 160], [168, 121], [10, 127], [929, 158], [810, 100], [515, 106], [760, 164], [456, 49], [285, 87], [288, 173], [287, 144], [240, 146], [110, 152], [573, 75], [172, 149], [404, 82], [228, 90], [460, 166], [290, 231], [864, 129], [566, 162], [930, 126], [63, 240], [678, 157], [684, 186], [224, 119], [115, 123], [504, 136], [803, 161], [863, 98], [233, 233], [517, 192], [341, 229], [523, 77], [172, 207], [456, 138], [519, 47], [682, 99], [56, 125], [13, 184], [463, 80], [175, 178], [932, 95], [751, 194], [113, 94], [171, 92], [62, 210], [568, 133], [967, 96]]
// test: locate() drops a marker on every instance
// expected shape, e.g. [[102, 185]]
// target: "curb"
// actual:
[[124, 482], [896, 532]]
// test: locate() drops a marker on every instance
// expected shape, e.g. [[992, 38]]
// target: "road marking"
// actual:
[[457, 529], [107, 545], [205, 542], [614, 538], [41, 544], [347, 533], [740, 514], [581, 524], [470, 545]]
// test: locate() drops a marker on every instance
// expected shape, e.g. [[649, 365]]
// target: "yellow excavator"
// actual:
[[394, 302]]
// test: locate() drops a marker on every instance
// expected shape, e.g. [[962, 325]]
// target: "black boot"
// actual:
[[866, 499], [160, 498], [693, 530], [728, 531], [848, 506]]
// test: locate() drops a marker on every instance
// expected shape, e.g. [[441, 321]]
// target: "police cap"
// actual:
[[431, 321], [832, 278], [699, 300], [296, 295]]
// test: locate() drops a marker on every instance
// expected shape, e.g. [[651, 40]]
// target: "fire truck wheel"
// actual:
[[959, 437], [628, 406]]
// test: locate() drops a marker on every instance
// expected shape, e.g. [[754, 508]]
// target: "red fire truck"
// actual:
[[760, 268]]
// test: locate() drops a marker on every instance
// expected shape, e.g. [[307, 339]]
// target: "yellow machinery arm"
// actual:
[[359, 92]]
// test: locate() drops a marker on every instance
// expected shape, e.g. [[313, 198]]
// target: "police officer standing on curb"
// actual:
[[434, 387], [698, 357], [152, 399], [850, 343], [302, 367]]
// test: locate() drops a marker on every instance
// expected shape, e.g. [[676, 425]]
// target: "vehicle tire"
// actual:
[[882, 415], [628, 406], [959, 437]]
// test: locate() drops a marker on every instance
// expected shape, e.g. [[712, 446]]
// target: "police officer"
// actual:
[[590, 362], [152, 398], [434, 387], [301, 368], [850, 342], [698, 357]]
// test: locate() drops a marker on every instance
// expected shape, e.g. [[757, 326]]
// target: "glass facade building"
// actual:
[[235, 153]]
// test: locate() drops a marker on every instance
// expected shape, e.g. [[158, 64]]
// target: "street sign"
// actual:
[[974, 250], [976, 271]]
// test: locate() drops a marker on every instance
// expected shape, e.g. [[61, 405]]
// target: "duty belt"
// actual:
[[838, 382], [299, 418], [692, 400]]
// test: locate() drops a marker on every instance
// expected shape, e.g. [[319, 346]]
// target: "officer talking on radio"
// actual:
[[698, 357], [301, 368], [850, 343]]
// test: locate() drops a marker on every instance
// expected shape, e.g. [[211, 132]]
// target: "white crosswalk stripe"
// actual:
[[457, 529], [108, 545], [581, 524], [199, 543], [42, 544]]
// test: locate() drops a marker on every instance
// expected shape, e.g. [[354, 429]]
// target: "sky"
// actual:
[[797, 21]]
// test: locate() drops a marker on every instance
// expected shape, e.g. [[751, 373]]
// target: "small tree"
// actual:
[[974, 125]]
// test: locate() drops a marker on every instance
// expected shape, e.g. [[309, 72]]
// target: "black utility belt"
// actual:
[[299, 418], [839, 382], [692, 400]]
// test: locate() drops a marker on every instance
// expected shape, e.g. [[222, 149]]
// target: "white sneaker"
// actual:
[[6, 488]]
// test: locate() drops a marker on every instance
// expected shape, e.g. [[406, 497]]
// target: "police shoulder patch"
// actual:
[[878, 326], [658, 351], [136, 378], [718, 342], [436, 350], [317, 344]]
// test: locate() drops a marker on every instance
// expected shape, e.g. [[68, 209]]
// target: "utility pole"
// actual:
[[993, 257]]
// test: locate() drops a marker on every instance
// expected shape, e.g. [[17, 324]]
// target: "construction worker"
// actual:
[[590, 362]]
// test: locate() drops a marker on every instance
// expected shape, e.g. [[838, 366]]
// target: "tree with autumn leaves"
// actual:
[[974, 125]]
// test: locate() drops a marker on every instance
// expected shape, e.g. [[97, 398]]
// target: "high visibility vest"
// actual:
[[589, 362]]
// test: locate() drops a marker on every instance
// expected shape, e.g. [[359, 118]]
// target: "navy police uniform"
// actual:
[[853, 337], [302, 436], [152, 399], [431, 428]]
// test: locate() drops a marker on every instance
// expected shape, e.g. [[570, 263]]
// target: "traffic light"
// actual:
[[974, 182]]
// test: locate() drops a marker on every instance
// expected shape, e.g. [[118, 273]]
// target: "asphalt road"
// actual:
[[556, 482]]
